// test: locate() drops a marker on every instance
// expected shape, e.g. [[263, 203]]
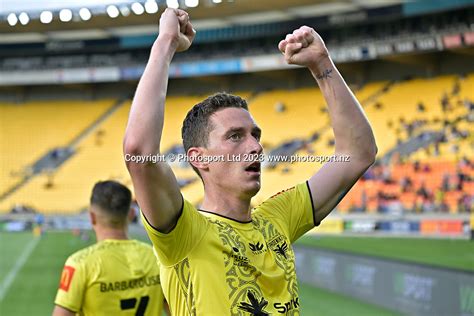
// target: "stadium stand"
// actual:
[[29, 130], [287, 119]]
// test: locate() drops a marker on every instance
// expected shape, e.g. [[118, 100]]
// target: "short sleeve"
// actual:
[[293, 209], [72, 286], [175, 246]]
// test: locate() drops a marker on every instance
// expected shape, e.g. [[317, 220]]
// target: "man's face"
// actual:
[[235, 136]]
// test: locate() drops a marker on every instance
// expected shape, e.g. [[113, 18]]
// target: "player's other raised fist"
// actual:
[[303, 47], [176, 27]]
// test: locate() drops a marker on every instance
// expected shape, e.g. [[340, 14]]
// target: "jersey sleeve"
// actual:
[[292, 209], [175, 246], [72, 286]]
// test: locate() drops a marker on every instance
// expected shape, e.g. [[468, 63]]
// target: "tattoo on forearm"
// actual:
[[326, 74]]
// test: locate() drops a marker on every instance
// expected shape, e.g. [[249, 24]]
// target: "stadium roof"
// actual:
[[208, 14]]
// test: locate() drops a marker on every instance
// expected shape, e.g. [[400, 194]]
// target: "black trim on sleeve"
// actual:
[[176, 223], [312, 205]]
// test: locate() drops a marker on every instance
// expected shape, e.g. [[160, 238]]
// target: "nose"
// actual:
[[255, 146]]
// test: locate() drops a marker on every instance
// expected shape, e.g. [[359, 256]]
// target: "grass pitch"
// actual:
[[34, 284]]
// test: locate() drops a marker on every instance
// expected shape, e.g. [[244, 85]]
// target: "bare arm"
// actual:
[[155, 185], [61, 311], [352, 131]]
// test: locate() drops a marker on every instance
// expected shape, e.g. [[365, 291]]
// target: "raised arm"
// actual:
[[352, 131], [155, 185]]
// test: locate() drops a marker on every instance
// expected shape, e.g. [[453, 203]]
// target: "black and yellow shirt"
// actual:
[[212, 265], [112, 277]]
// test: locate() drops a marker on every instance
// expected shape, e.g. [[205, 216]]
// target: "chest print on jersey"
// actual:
[[241, 276], [254, 305], [245, 294]]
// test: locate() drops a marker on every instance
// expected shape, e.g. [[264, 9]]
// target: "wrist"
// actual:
[[165, 45], [321, 65]]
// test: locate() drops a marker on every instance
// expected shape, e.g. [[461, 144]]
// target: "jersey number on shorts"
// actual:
[[130, 303]]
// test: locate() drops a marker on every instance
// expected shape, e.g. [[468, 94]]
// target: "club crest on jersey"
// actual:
[[281, 249], [279, 245], [66, 278]]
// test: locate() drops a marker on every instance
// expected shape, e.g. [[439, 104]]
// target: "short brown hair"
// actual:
[[113, 198], [196, 125]]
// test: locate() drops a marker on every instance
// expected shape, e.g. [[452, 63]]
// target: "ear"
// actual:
[[196, 158], [93, 218], [131, 214]]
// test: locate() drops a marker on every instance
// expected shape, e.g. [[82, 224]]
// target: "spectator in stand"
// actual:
[[386, 174], [280, 107], [416, 166], [423, 191], [406, 184], [420, 107], [426, 168], [465, 162], [462, 177], [436, 148], [439, 200], [445, 184], [445, 103], [469, 105], [363, 199], [456, 88], [465, 203]]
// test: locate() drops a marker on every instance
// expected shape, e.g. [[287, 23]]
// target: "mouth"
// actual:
[[254, 168]]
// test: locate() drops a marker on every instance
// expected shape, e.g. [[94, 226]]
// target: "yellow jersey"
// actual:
[[213, 265], [112, 277]]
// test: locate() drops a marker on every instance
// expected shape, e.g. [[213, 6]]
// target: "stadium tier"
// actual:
[[30, 130], [294, 119]]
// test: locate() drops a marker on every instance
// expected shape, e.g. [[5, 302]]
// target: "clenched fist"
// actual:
[[303, 47], [175, 25]]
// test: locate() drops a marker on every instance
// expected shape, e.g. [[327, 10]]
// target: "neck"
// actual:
[[110, 233], [228, 205]]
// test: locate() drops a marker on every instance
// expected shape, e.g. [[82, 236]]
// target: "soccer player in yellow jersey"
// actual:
[[117, 275], [225, 258]]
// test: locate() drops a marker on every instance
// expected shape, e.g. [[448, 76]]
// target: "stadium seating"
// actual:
[[283, 116], [29, 130], [98, 157]]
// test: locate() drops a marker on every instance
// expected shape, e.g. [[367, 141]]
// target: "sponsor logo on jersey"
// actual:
[[257, 248], [284, 308], [66, 278], [254, 306], [239, 260]]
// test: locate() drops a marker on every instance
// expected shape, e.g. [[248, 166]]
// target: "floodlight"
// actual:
[[85, 14], [151, 7], [12, 19], [65, 15], [137, 8], [112, 11], [46, 17], [24, 18]]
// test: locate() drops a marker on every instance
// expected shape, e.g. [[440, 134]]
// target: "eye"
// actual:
[[235, 137]]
